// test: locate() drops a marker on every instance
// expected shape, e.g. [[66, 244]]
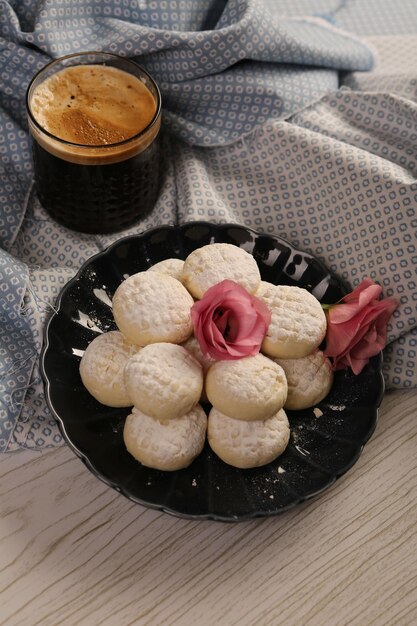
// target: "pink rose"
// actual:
[[357, 326], [229, 322]]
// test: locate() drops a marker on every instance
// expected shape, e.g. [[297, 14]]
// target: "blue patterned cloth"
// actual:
[[262, 135]]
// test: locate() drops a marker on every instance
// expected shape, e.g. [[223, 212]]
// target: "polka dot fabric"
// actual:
[[363, 17], [255, 131], [17, 345], [183, 43]]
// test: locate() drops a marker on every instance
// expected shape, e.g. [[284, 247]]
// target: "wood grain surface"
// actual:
[[75, 552]]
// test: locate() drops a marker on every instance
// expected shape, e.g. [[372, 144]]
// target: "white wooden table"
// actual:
[[74, 552]]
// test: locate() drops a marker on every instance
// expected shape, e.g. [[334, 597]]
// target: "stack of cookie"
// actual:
[[155, 364]]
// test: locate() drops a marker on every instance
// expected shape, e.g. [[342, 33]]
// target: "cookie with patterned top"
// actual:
[[252, 388], [102, 368], [309, 379], [194, 348], [165, 445], [247, 444], [211, 264], [164, 380], [298, 322], [172, 267], [149, 307]]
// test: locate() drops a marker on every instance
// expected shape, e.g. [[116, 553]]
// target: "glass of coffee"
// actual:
[[94, 119]]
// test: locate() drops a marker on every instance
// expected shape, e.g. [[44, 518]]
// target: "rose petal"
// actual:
[[219, 342], [363, 286], [229, 322], [357, 327], [375, 339], [356, 365], [354, 302], [221, 320], [263, 311], [246, 324], [339, 337]]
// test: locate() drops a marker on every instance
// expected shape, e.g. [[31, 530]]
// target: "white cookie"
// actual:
[[216, 262], [247, 444], [102, 368], [309, 379], [172, 267], [165, 445], [150, 307], [194, 348], [298, 323], [164, 380], [253, 388]]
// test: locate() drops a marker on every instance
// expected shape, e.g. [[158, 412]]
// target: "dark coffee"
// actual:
[[95, 132], [97, 198]]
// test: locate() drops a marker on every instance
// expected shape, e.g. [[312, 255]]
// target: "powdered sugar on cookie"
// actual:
[[155, 363]]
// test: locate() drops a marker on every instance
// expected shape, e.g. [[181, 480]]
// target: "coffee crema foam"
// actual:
[[93, 105]]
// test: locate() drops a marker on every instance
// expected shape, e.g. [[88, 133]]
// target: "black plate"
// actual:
[[321, 447]]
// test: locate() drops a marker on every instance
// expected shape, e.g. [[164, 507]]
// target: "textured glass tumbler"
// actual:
[[96, 188]]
